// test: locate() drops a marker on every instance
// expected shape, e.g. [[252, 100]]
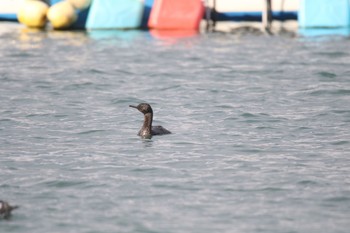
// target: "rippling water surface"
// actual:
[[260, 139]]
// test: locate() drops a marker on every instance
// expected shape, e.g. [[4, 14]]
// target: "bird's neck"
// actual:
[[147, 123]]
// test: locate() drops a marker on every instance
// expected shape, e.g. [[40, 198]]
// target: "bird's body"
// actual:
[[156, 130], [147, 130], [5, 209]]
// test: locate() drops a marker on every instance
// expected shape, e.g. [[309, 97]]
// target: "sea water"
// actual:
[[260, 142]]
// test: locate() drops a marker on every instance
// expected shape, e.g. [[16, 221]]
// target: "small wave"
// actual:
[[125, 101], [333, 54], [144, 169], [91, 131], [97, 71], [264, 127], [123, 71], [60, 115], [330, 92], [185, 143], [341, 111], [251, 150], [78, 85], [248, 115], [340, 143], [272, 189], [266, 189], [5, 120], [225, 106], [22, 55], [338, 199], [170, 88], [307, 182], [324, 74], [304, 128], [63, 183], [260, 117], [37, 115]]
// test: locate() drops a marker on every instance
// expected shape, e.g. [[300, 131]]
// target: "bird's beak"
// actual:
[[132, 106]]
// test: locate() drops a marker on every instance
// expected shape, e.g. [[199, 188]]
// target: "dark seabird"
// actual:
[[147, 130], [5, 209]]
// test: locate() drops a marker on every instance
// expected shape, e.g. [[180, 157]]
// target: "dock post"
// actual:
[[210, 15], [267, 16]]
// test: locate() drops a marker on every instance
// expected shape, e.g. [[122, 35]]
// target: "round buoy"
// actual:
[[32, 13], [80, 4], [62, 15]]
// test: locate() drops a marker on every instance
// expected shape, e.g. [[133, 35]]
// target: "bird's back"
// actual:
[[159, 130], [5, 209]]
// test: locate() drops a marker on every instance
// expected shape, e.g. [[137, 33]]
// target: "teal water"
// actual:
[[260, 137]]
